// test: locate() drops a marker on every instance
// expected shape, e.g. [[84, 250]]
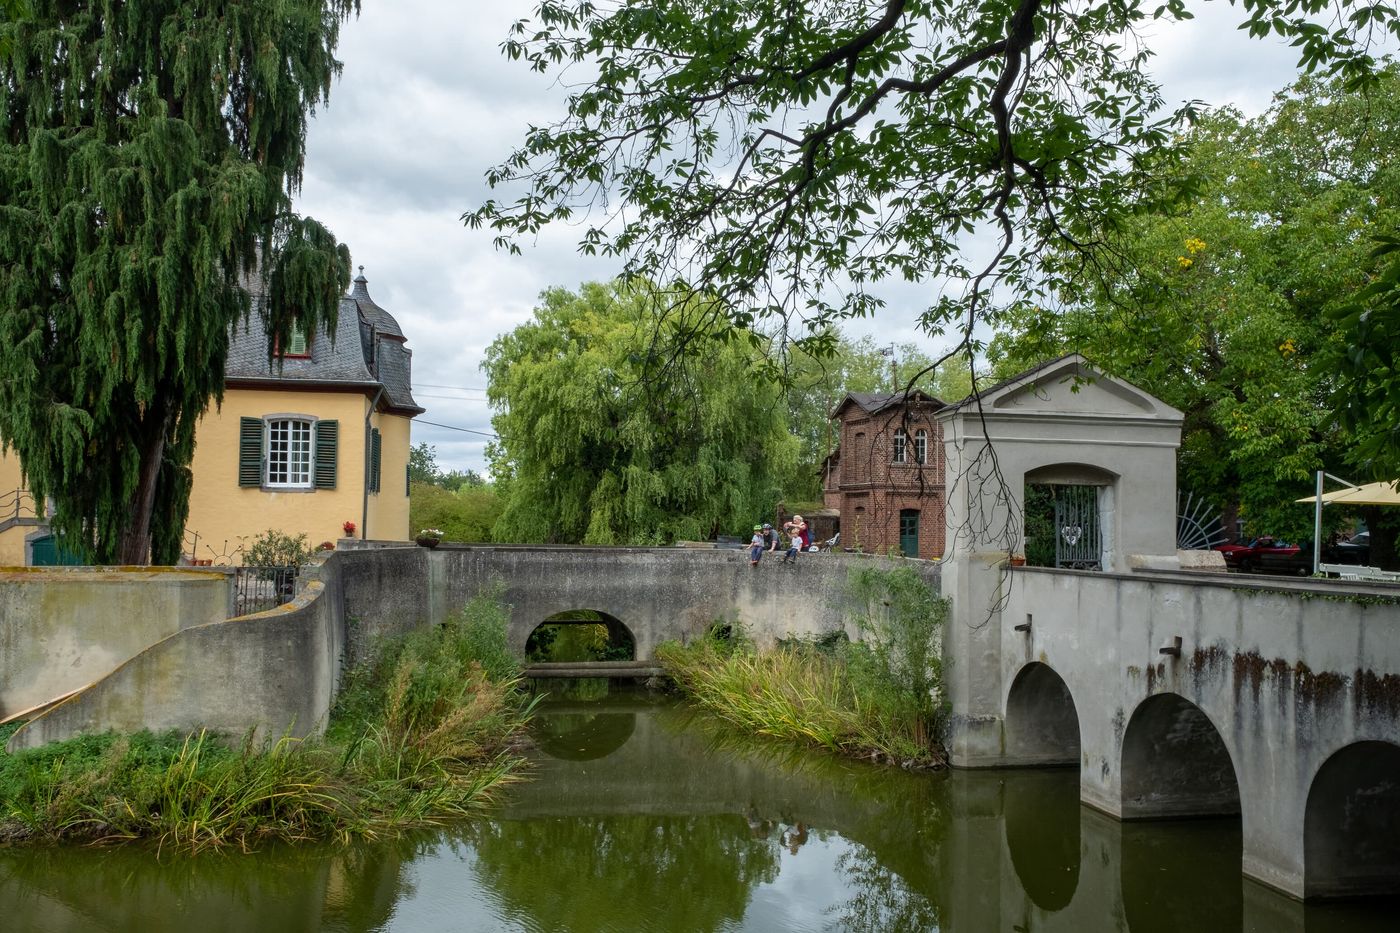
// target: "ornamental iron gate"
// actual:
[[1078, 541]]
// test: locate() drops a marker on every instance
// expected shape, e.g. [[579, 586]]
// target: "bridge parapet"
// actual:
[[657, 593]]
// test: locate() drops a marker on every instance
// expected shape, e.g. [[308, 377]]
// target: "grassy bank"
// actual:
[[875, 698], [421, 737]]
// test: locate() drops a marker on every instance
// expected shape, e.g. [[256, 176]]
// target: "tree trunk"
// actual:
[[1383, 522], [135, 547]]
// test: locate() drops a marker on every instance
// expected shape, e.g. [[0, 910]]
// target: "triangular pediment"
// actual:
[[1071, 385]]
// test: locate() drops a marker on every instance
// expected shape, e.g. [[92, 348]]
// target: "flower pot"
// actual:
[[1018, 560], [428, 542]]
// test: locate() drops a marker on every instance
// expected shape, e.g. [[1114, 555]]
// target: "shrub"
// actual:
[[274, 548]]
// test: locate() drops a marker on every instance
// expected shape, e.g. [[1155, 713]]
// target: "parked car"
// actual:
[[1267, 554], [1356, 550]]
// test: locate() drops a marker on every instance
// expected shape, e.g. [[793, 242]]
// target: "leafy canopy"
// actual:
[[1227, 308], [787, 156], [148, 152], [600, 445]]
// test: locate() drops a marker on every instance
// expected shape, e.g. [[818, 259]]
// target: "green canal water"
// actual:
[[644, 816]]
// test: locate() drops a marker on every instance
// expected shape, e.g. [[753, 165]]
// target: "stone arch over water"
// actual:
[[1175, 763], [1041, 726], [1351, 833], [578, 630]]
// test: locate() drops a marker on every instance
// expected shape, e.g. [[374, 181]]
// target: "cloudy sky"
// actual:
[[427, 103]]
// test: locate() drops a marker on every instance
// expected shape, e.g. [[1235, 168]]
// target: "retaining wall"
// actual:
[[61, 628], [274, 672]]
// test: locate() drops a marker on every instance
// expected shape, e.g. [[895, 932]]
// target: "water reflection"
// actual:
[[644, 816]]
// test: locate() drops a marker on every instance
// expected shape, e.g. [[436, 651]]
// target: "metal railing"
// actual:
[[17, 504], [260, 588]]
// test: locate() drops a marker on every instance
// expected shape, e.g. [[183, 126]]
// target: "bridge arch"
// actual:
[[1041, 726], [581, 635], [1175, 764], [1351, 828]]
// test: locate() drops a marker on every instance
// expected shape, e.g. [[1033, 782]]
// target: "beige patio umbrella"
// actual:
[[1382, 493]]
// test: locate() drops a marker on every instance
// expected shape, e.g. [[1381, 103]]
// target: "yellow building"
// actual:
[[316, 440], [21, 519]]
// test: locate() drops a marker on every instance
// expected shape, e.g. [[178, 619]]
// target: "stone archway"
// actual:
[[1175, 764], [581, 635], [1351, 830], [1041, 727]]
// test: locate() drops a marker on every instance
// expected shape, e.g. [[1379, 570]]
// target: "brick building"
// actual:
[[887, 474]]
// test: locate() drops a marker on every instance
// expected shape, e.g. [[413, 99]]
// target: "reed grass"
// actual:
[[877, 698], [421, 737]]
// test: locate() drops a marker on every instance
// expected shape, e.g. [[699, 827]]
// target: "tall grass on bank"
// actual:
[[877, 698], [420, 737]]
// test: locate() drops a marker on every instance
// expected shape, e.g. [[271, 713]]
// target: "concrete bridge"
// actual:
[[1175, 694]]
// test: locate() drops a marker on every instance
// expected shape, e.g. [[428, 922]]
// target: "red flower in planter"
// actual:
[[349, 529]]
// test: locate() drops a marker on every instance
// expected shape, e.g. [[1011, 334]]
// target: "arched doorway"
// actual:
[[1066, 509], [1175, 765], [581, 635], [1351, 831], [1041, 725]]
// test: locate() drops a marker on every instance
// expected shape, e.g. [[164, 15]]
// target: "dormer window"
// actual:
[[297, 344]]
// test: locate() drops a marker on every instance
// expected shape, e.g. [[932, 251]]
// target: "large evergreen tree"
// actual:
[[148, 153], [602, 445]]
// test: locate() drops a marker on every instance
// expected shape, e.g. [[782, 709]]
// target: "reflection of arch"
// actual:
[[1351, 832], [1041, 725], [1175, 764], [1041, 811], [582, 735], [621, 644], [1182, 876]]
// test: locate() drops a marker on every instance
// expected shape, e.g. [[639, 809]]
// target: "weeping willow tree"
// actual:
[[601, 444], [148, 154]]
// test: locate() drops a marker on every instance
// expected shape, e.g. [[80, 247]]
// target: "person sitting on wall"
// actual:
[[756, 546], [771, 538]]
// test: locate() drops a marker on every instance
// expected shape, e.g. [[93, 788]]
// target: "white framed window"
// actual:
[[921, 446], [289, 458], [901, 446]]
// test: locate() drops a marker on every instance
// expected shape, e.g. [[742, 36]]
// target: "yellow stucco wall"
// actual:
[[12, 538], [226, 516], [388, 511]]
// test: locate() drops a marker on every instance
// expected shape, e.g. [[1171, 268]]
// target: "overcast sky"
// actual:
[[427, 103]]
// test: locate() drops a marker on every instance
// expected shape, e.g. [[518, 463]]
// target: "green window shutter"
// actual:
[[375, 450], [327, 438], [407, 481], [250, 451], [296, 341]]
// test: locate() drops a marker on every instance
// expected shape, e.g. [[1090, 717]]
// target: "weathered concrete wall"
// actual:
[[658, 593], [1287, 673], [63, 627], [276, 672]]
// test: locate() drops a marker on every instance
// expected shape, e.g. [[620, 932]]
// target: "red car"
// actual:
[[1267, 554]]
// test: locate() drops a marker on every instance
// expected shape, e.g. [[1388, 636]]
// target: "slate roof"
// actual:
[[875, 402], [366, 351], [377, 317]]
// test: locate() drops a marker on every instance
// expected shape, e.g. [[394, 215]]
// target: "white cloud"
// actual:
[[427, 103]]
